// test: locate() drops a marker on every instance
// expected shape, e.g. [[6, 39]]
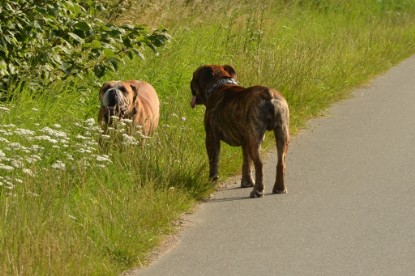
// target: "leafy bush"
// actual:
[[54, 39]]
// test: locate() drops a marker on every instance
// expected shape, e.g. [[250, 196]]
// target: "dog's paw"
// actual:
[[214, 178], [277, 191], [256, 194], [247, 183]]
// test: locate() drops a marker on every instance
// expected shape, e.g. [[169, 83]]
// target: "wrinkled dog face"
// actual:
[[118, 98]]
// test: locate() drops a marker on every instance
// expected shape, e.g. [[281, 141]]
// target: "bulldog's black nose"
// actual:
[[113, 97]]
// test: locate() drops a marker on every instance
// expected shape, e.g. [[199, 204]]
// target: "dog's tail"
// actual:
[[279, 117]]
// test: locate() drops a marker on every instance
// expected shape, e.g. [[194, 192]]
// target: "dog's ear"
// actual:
[[135, 90], [105, 87], [205, 72], [230, 70]]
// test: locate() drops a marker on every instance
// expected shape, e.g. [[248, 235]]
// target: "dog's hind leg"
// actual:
[[281, 137], [246, 180], [253, 151]]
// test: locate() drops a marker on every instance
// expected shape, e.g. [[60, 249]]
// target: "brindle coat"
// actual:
[[240, 116], [132, 99]]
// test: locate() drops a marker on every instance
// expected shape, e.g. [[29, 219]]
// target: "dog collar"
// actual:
[[218, 83]]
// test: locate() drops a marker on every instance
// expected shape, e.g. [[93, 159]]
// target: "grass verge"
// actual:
[[68, 208]]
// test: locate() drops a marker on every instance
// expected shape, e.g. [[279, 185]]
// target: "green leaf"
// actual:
[[138, 53], [127, 42], [99, 70], [128, 27], [83, 26], [108, 53], [3, 68], [96, 44], [76, 37], [65, 66], [130, 54]]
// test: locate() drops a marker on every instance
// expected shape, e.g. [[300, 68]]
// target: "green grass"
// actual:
[[105, 210]]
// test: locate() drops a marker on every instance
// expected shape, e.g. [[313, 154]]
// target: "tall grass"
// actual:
[[68, 207]]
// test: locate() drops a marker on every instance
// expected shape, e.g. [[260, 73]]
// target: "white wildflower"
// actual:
[[57, 126], [35, 109], [5, 109], [46, 138], [28, 172], [90, 122], [142, 135], [33, 158], [2, 154], [6, 167], [91, 143], [84, 163], [5, 132], [87, 150], [127, 121], [54, 133], [106, 137], [32, 194], [103, 158], [17, 164], [15, 146], [120, 130], [9, 186], [64, 141], [129, 140], [18, 180], [69, 157], [59, 165], [24, 132], [184, 118], [4, 140], [81, 137], [37, 148]]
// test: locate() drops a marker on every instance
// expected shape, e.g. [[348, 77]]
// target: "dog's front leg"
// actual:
[[213, 151]]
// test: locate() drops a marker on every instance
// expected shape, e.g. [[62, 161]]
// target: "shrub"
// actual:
[[44, 41]]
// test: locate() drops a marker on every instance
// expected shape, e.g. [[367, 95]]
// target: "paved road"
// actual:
[[350, 207]]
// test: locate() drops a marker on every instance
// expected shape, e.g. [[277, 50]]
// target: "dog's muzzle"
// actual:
[[114, 103]]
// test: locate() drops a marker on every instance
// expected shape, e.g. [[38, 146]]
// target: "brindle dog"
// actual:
[[240, 116]]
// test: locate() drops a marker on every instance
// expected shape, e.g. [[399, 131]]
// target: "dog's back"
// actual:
[[243, 112], [149, 106]]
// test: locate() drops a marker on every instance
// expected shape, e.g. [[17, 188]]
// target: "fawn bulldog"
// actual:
[[132, 99], [240, 117]]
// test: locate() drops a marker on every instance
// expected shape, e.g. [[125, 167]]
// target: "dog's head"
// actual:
[[117, 98], [206, 78]]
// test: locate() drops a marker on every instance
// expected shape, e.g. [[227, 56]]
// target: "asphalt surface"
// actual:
[[350, 207]]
